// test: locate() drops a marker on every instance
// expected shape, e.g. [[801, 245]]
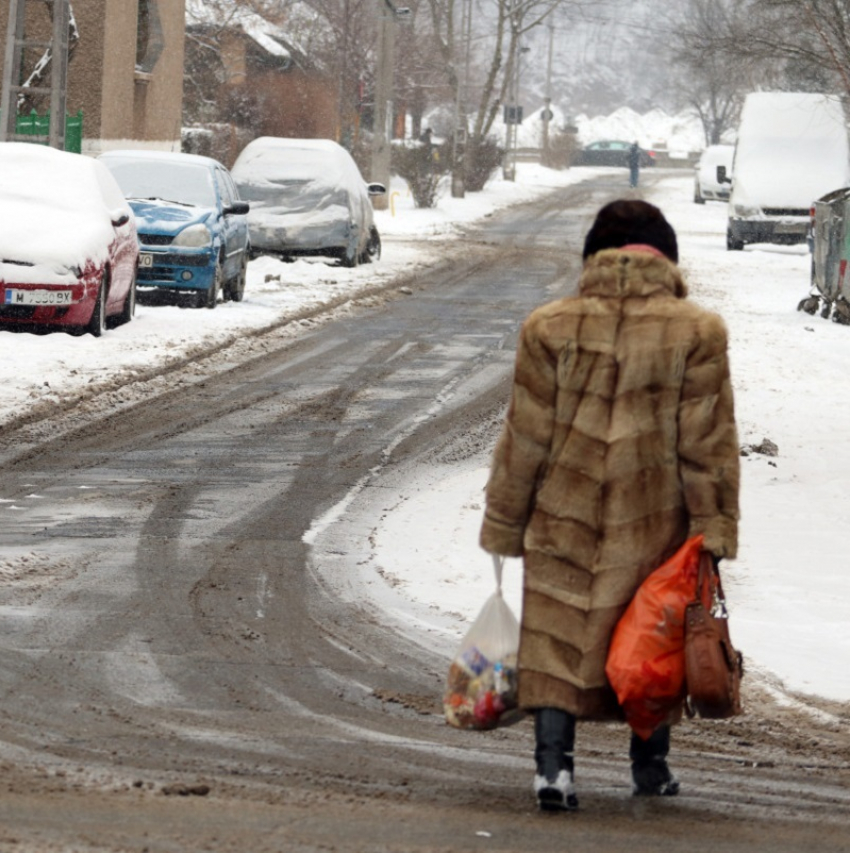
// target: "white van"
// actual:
[[706, 186], [792, 148]]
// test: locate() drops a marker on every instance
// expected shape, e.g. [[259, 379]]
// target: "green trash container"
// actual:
[[37, 126], [829, 242]]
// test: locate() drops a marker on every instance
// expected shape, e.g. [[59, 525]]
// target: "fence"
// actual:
[[36, 125]]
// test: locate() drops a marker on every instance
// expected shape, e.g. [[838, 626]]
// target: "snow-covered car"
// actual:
[[68, 246], [307, 197], [611, 152], [193, 228], [706, 185], [792, 148]]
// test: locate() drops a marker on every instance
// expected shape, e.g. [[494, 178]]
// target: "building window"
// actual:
[[149, 42]]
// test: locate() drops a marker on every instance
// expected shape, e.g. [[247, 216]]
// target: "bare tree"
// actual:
[[340, 36], [811, 38], [420, 78], [712, 85], [497, 56]]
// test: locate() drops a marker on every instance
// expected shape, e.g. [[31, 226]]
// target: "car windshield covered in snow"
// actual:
[[186, 183], [296, 179]]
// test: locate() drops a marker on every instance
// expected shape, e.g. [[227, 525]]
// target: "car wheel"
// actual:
[[209, 298], [236, 286], [349, 257], [732, 244], [97, 324], [698, 199], [373, 247], [129, 309]]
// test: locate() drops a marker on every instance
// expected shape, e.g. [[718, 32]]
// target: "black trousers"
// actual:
[[555, 735]]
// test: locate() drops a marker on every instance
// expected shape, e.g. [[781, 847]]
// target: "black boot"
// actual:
[[651, 776], [554, 731]]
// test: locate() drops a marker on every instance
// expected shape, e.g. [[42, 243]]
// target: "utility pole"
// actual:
[[459, 139], [388, 15], [513, 117], [509, 168], [547, 112], [343, 93]]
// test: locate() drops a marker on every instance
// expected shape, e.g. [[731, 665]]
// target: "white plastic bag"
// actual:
[[481, 688]]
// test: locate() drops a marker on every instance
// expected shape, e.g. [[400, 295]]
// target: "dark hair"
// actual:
[[630, 221]]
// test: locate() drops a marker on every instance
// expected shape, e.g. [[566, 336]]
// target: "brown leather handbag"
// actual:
[[713, 668]]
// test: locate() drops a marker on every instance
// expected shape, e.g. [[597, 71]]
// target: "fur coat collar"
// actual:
[[634, 272]]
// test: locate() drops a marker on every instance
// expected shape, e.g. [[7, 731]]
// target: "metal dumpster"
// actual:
[[830, 247]]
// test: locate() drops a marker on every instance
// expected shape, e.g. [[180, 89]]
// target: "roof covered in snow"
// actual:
[[230, 14]]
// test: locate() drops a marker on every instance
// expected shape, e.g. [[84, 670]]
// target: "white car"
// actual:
[[706, 186], [307, 198]]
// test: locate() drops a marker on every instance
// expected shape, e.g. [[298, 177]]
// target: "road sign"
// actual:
[[513, 114]]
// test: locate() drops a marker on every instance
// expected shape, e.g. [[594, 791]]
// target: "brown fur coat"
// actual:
[[619, 444]]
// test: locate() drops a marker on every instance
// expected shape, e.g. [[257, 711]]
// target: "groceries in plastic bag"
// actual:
[[481, 688]]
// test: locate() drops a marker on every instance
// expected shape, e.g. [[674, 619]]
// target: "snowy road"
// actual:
[[184, 611]]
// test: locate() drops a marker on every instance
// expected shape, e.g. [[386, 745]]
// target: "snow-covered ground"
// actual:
[[679, 134], [788, 589]]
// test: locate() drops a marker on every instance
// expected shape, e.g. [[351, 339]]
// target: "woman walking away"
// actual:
[[619, 444]]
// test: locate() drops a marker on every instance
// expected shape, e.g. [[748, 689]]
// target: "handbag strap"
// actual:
[[498, 565], [709, 585]]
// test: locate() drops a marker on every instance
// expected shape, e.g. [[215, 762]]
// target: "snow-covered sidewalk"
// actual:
[[789, 589], [57, 367]]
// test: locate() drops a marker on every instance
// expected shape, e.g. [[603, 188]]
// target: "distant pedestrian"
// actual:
[[633, 159], [619, 444]]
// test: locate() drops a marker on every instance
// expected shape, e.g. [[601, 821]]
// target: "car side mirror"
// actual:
[[119, 218], [722, 177], [238, 208], [376, 189]]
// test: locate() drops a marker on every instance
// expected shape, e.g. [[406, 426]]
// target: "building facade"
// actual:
[[125, 71]]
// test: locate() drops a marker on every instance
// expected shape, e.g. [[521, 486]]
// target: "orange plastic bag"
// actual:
[[646, 659]]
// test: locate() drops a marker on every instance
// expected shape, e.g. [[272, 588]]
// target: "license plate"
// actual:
[[790, 228], [37, 297], [145, 259]]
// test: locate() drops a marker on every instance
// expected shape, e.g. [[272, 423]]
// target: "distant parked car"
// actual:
[[611, 152], [307, 198], [706, 185], [192, 223], [68, 246]]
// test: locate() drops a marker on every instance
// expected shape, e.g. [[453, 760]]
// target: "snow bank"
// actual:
[[678, 134]]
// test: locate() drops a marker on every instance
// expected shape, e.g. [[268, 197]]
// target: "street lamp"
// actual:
[[388, 15], [513, 119]]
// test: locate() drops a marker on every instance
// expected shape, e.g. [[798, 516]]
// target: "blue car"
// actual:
[[193, 228]]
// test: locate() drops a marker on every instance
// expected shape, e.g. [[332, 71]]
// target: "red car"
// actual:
[[68, 244]]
